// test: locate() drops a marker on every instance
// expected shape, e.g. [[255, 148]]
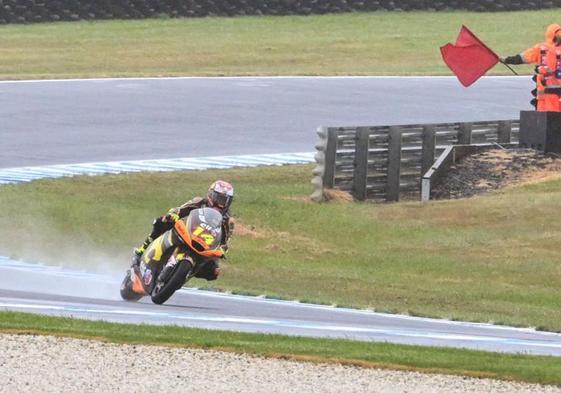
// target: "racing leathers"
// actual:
[[208, 271]]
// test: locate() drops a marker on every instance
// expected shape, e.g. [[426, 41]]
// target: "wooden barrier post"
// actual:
[[360, 176], [429, 148], [394, 164], [330, 158], [504, 133], [318, 171], [464, 134]]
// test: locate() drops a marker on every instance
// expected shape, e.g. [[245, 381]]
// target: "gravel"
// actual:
[[494, 169], [31, 363]]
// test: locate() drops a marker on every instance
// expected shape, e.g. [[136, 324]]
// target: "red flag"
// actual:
[[470, 58]]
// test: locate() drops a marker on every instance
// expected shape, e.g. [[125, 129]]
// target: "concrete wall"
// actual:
[[30, 11]]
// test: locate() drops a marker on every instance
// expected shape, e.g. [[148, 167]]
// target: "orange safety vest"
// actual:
[[540, 77], [547, 56], [551, 76]]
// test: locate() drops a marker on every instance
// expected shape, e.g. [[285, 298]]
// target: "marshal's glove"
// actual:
[[516, 59]]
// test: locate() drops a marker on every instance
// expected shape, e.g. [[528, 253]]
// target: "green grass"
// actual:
[[537, 369], [380, 43], [491, 258]]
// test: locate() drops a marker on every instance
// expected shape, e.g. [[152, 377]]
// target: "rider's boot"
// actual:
[[137, 252], [136, 255]]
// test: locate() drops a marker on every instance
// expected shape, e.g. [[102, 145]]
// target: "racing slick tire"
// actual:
[[163, 291]]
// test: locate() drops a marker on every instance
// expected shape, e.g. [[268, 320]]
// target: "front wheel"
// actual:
[[163, 290]]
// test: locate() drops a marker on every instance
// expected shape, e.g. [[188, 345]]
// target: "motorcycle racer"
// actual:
[[219, 196]]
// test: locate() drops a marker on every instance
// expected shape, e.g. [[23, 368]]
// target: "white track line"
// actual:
[[27, 174], [172, 78], [75, 309], [8, 263]]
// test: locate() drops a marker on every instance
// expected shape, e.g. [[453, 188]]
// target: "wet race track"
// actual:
[[49, 123]]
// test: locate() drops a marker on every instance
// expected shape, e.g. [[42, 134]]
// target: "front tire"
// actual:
[[163, 292]]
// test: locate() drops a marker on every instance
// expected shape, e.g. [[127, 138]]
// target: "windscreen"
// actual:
[[205, 226]]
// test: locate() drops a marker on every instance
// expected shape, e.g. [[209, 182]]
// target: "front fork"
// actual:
[[169, 269]]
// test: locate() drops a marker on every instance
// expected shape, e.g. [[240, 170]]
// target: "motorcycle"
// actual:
[[175, 257]]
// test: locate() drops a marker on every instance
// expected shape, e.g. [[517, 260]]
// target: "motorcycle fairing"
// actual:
[[202, 237], [161, 248], [193, 241], [156, 256], [201, 232]]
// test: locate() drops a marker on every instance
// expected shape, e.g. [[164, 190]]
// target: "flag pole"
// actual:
[[509, 67]]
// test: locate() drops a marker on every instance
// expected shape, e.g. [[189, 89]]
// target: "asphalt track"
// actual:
[[61, 292], [60, 122], [77, 121]]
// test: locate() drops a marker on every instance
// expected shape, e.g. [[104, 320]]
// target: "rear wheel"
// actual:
[[163, 290], [126, 289]]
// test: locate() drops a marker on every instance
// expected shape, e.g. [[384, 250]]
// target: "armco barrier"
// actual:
[[387, 163], [30, 11]]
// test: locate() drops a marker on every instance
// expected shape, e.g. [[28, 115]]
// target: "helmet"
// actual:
[[220, 194]]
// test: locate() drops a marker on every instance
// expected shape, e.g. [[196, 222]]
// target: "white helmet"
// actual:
[[220, 194]]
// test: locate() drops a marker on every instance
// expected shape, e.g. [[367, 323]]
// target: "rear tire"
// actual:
[[162, 293], [126, 289]]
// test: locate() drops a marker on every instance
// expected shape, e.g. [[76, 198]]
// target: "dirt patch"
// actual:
[[299, 198], [281, 241], [274, 248], [337, 196], [250, 231], [494, 169]]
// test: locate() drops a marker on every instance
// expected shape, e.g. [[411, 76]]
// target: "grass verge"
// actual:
[[491, 258], [535, 369], [380, 43]]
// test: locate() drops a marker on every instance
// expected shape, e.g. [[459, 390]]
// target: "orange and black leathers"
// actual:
[[197, 203], [547, 57], [165, 223]]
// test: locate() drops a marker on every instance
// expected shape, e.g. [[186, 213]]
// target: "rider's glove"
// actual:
[[170, 217]]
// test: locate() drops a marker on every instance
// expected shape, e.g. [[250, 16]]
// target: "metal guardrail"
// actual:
[[386, 163]]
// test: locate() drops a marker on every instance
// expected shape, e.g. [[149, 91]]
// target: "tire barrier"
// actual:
[[33, 11]]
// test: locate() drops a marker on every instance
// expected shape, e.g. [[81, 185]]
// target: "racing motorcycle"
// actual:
[[175, 256]]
